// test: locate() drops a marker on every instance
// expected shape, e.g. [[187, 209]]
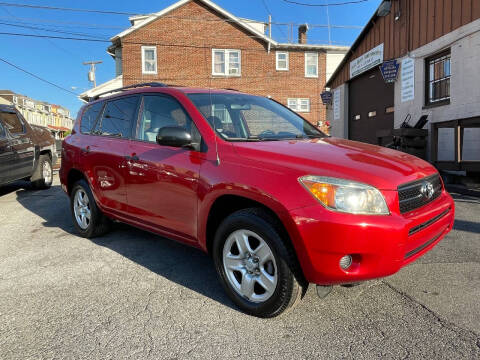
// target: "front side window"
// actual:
[[226, 62], [89, 117], [149, 59], [438, 79], [163, 111], [311, 64], [118, 117], [12, 122], [281, 61], [251, 118], [299, 105]]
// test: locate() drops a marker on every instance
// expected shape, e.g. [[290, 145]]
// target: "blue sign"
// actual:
[[389, 70], [326, 97]]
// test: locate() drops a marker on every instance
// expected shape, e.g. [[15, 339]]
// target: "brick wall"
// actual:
[[184, 57]]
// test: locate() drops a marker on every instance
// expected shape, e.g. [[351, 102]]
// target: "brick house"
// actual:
[[197, 43]]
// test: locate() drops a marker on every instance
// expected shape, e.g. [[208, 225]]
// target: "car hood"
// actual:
[[378, 166]]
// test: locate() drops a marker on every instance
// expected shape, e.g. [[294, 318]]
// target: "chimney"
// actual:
[[302, 33]]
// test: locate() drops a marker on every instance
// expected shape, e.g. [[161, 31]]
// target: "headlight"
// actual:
[[345, 195]]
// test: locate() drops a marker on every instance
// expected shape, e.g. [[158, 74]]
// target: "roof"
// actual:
[[355, 44], [113, 84], [242, 23]]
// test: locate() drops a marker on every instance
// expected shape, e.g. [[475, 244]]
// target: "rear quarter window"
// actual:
[[89, 117]]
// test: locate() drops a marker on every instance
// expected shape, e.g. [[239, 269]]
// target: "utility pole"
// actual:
[[91, 73]]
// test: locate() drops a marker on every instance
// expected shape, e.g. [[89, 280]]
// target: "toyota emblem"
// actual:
[[427, 190]]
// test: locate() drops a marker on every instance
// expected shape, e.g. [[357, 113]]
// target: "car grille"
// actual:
[[411, 197]]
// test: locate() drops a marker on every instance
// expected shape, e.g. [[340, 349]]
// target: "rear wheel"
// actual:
[[87, 217], [254, 264], [45, 177]]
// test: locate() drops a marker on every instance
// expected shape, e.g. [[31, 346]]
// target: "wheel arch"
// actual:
[[226, 204]]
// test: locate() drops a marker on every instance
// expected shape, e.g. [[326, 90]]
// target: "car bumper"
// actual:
[[379, 245]]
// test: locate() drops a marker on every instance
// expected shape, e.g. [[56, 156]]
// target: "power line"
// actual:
[[37, 77], [325, 5], [68, 9], [123, 42]]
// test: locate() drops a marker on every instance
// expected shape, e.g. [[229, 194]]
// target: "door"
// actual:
[[21, 145], [370, 107], [103, 151], [162, 180], [6, 156]]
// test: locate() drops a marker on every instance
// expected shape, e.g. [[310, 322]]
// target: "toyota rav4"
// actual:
[[275, 202]]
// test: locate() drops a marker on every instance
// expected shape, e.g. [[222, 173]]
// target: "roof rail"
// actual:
[[151, 84]]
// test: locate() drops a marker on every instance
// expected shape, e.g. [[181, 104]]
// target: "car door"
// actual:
[[162, 181], [21, 145], [6, 156], [103, 151]]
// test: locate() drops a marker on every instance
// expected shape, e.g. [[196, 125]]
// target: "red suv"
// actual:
[[276, 203]]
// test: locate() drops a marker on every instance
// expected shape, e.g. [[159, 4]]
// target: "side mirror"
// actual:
[[175, 136]]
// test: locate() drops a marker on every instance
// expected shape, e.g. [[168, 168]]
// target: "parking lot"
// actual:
[[134, 295]]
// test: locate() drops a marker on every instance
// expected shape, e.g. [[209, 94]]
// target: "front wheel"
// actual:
[[255, 265]]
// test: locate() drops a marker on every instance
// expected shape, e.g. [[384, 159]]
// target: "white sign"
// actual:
[[408, 79], [336, 104], [367, 61]]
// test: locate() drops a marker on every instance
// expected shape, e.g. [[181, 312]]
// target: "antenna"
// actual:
[[91, 73], [211, 112]]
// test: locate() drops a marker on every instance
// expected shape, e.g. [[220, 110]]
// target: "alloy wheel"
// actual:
[[250, 265], [81, 208]]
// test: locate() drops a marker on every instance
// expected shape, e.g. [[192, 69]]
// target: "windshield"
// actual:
[[240, 117]]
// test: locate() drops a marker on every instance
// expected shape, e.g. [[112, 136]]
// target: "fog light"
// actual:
[[345, 262]]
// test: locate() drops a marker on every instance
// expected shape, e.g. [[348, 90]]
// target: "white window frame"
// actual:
[[144, 48], [295, 104], [306, 56], [226, 56], [277, 67]]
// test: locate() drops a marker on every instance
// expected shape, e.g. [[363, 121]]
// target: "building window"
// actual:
[[438, 79], [226, 62], [281, 61], [311, 64], [299, 105], [149, 59]]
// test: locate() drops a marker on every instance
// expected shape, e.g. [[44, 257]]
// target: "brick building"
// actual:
[[197, 43]]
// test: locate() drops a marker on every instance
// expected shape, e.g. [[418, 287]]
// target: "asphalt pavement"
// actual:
[[135, 295]]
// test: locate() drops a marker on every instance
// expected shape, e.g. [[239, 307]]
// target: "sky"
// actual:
[[61, 61]]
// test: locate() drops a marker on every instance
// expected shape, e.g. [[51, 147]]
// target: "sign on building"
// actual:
[[336, 104], [326, 97], [389, 70], [408, 79], [367, 61]]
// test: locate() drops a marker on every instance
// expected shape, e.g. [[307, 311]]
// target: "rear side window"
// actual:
[[12, 123], [118, 117], [89, 117]]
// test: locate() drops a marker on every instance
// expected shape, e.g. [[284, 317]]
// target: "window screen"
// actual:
[[89, 117], [12, 123], [118, 117]]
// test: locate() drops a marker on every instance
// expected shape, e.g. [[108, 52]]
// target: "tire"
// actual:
[[87, 217], [273, 269], [45, 173]]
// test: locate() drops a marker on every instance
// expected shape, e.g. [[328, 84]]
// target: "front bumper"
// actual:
[[379, 245]]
